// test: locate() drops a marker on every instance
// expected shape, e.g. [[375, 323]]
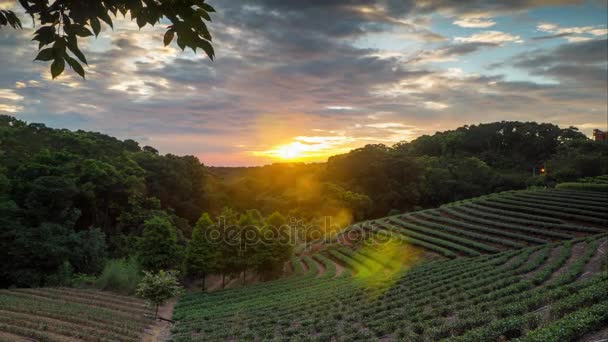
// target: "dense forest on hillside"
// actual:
[[69, 201]]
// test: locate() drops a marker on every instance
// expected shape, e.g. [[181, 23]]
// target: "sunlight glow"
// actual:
[[308, 148], [291, 151], [386, 261]]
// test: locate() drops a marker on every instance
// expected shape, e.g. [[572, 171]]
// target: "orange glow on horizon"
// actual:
[[307, 149]]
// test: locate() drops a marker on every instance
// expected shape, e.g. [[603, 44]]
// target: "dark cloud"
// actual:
[[451, 50], [553, 36], [285, 68], [587, 52], [583, 63], [477, 6]]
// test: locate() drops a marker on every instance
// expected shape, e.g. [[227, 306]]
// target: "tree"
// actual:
[[278, 248], [157, 288], [202, 254], [158, 248], [62, 22]]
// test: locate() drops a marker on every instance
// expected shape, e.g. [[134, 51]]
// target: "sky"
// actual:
[[302, 80]]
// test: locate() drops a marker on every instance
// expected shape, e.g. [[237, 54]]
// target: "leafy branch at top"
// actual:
[[63, 22]]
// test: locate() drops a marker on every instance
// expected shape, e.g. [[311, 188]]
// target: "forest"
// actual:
[[74, 202]]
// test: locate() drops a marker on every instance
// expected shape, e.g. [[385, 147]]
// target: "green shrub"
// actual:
[[584, 186], [62, 277], [81, 280], [120, 276]]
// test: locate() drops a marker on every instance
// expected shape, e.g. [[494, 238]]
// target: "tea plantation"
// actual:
[[66, 314], [521, 265]]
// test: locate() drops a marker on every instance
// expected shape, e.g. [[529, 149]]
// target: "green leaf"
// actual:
[[103, 15], [73, 46], [206, 7], [45, 35], [82, 31], [75, 65], [203, 14], [180, 42], [57, 67], [95, 25], [168, 37], [59, 46], [207, 47], [45, 55], [141, 19]]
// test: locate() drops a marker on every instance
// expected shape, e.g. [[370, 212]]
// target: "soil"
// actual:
[[552, 256], [597, 260], [598, 336], [577, 250], [161, 330], [13, 338], [320, 267]]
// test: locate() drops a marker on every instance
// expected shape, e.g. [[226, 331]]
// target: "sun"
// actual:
[[290, 151]]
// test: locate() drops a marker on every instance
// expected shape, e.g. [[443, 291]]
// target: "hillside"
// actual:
[[496, 222], [66, 314], [526, 264]]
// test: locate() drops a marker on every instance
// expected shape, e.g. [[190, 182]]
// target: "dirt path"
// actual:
[[597, 260], [320, 267], [597, 336], [287, 270], [553, 254], [577, 250], [213, 282], [4, 336], [339, 268], [304, 266], [161, 330]]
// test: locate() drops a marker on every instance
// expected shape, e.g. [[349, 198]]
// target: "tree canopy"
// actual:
[[71, 199], [156, 288], [61, 23]]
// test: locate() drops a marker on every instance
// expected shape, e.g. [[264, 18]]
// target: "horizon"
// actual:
[[302, 81], [287, 161]]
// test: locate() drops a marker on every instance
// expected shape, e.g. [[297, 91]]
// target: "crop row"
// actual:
[[510, 226], [52, 315], [336, 305]]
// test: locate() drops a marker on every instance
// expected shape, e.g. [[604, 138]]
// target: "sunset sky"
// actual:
[[306, 79]]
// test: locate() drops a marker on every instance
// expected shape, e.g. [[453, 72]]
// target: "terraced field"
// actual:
[[526, 265], [62, 314], [527, 292], [519, 265], [497, 222], [595, 180]]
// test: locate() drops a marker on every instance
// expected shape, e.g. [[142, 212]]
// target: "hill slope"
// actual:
[[65, 314], [527, 265]]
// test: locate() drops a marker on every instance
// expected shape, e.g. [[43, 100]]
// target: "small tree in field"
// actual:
[[157, 247], [202, 254], [157, 288]]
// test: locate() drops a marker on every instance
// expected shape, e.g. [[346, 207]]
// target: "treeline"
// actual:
[[69, 201], [72, 200], [431, 170]]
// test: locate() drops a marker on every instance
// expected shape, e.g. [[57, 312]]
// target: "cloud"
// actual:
[[573, 33], [474, 22], [448, 52], [435, 105], [490, 37], [588, 52], [581, 63], [296, 74]]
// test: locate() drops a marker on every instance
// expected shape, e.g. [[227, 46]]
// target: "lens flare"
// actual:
[[384, 261]]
